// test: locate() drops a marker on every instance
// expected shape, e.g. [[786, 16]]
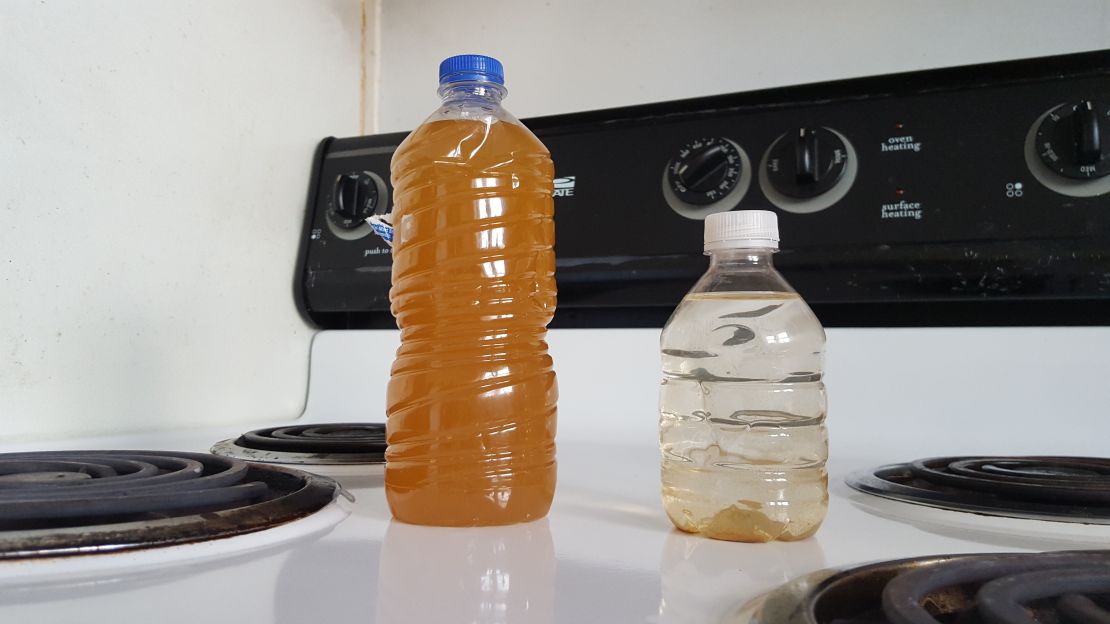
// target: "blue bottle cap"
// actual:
[[466, 67]]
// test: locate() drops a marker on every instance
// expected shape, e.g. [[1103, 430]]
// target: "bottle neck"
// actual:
[[472, 90], [748, 259]]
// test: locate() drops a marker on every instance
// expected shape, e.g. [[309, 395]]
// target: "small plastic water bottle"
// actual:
[[742, 404]]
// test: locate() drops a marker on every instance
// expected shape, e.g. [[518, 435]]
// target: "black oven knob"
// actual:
[[705, 171], [806, 163], [1072, 140], [354, 199]]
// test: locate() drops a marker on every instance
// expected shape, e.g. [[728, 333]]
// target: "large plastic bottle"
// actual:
[[471, 399], [742, 404]]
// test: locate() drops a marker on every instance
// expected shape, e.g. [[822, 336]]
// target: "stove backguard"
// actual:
[[964, 196]]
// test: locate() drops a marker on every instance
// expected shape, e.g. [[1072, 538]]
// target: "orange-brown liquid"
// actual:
[[471, 400]]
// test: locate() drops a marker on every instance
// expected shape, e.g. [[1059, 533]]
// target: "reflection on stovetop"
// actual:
[[283, 583], [503, 574], [1067, 586], [699, 575]]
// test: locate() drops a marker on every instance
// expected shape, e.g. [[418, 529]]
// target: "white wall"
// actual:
[[569, 55], [154, 159]]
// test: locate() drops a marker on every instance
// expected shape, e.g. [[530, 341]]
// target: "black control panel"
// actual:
[[977, 195]]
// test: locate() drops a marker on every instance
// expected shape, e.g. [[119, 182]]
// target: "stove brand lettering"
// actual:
[[564, 187], [902, 210], [901, 144]]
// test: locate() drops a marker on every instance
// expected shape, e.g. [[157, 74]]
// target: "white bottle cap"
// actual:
[[741, 229]]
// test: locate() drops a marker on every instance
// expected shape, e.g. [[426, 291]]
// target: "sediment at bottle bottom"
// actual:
[[746, 505]]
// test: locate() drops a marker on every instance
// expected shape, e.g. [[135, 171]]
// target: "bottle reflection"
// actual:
[[703, 578], [485, 575]]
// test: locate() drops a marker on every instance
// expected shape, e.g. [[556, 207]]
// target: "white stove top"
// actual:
[[606, 553]]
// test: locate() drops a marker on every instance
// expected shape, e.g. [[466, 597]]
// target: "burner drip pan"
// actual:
[[77, 502], [1065, 586], [314, 444], [1063, 489]]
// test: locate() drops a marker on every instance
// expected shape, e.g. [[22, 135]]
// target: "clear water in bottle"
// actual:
[[742, 407]]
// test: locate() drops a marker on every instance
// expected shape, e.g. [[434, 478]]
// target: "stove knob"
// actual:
[[1071, 140], [708, 175], [807, 163], [705, 171], [807, 170], [355, 198]]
